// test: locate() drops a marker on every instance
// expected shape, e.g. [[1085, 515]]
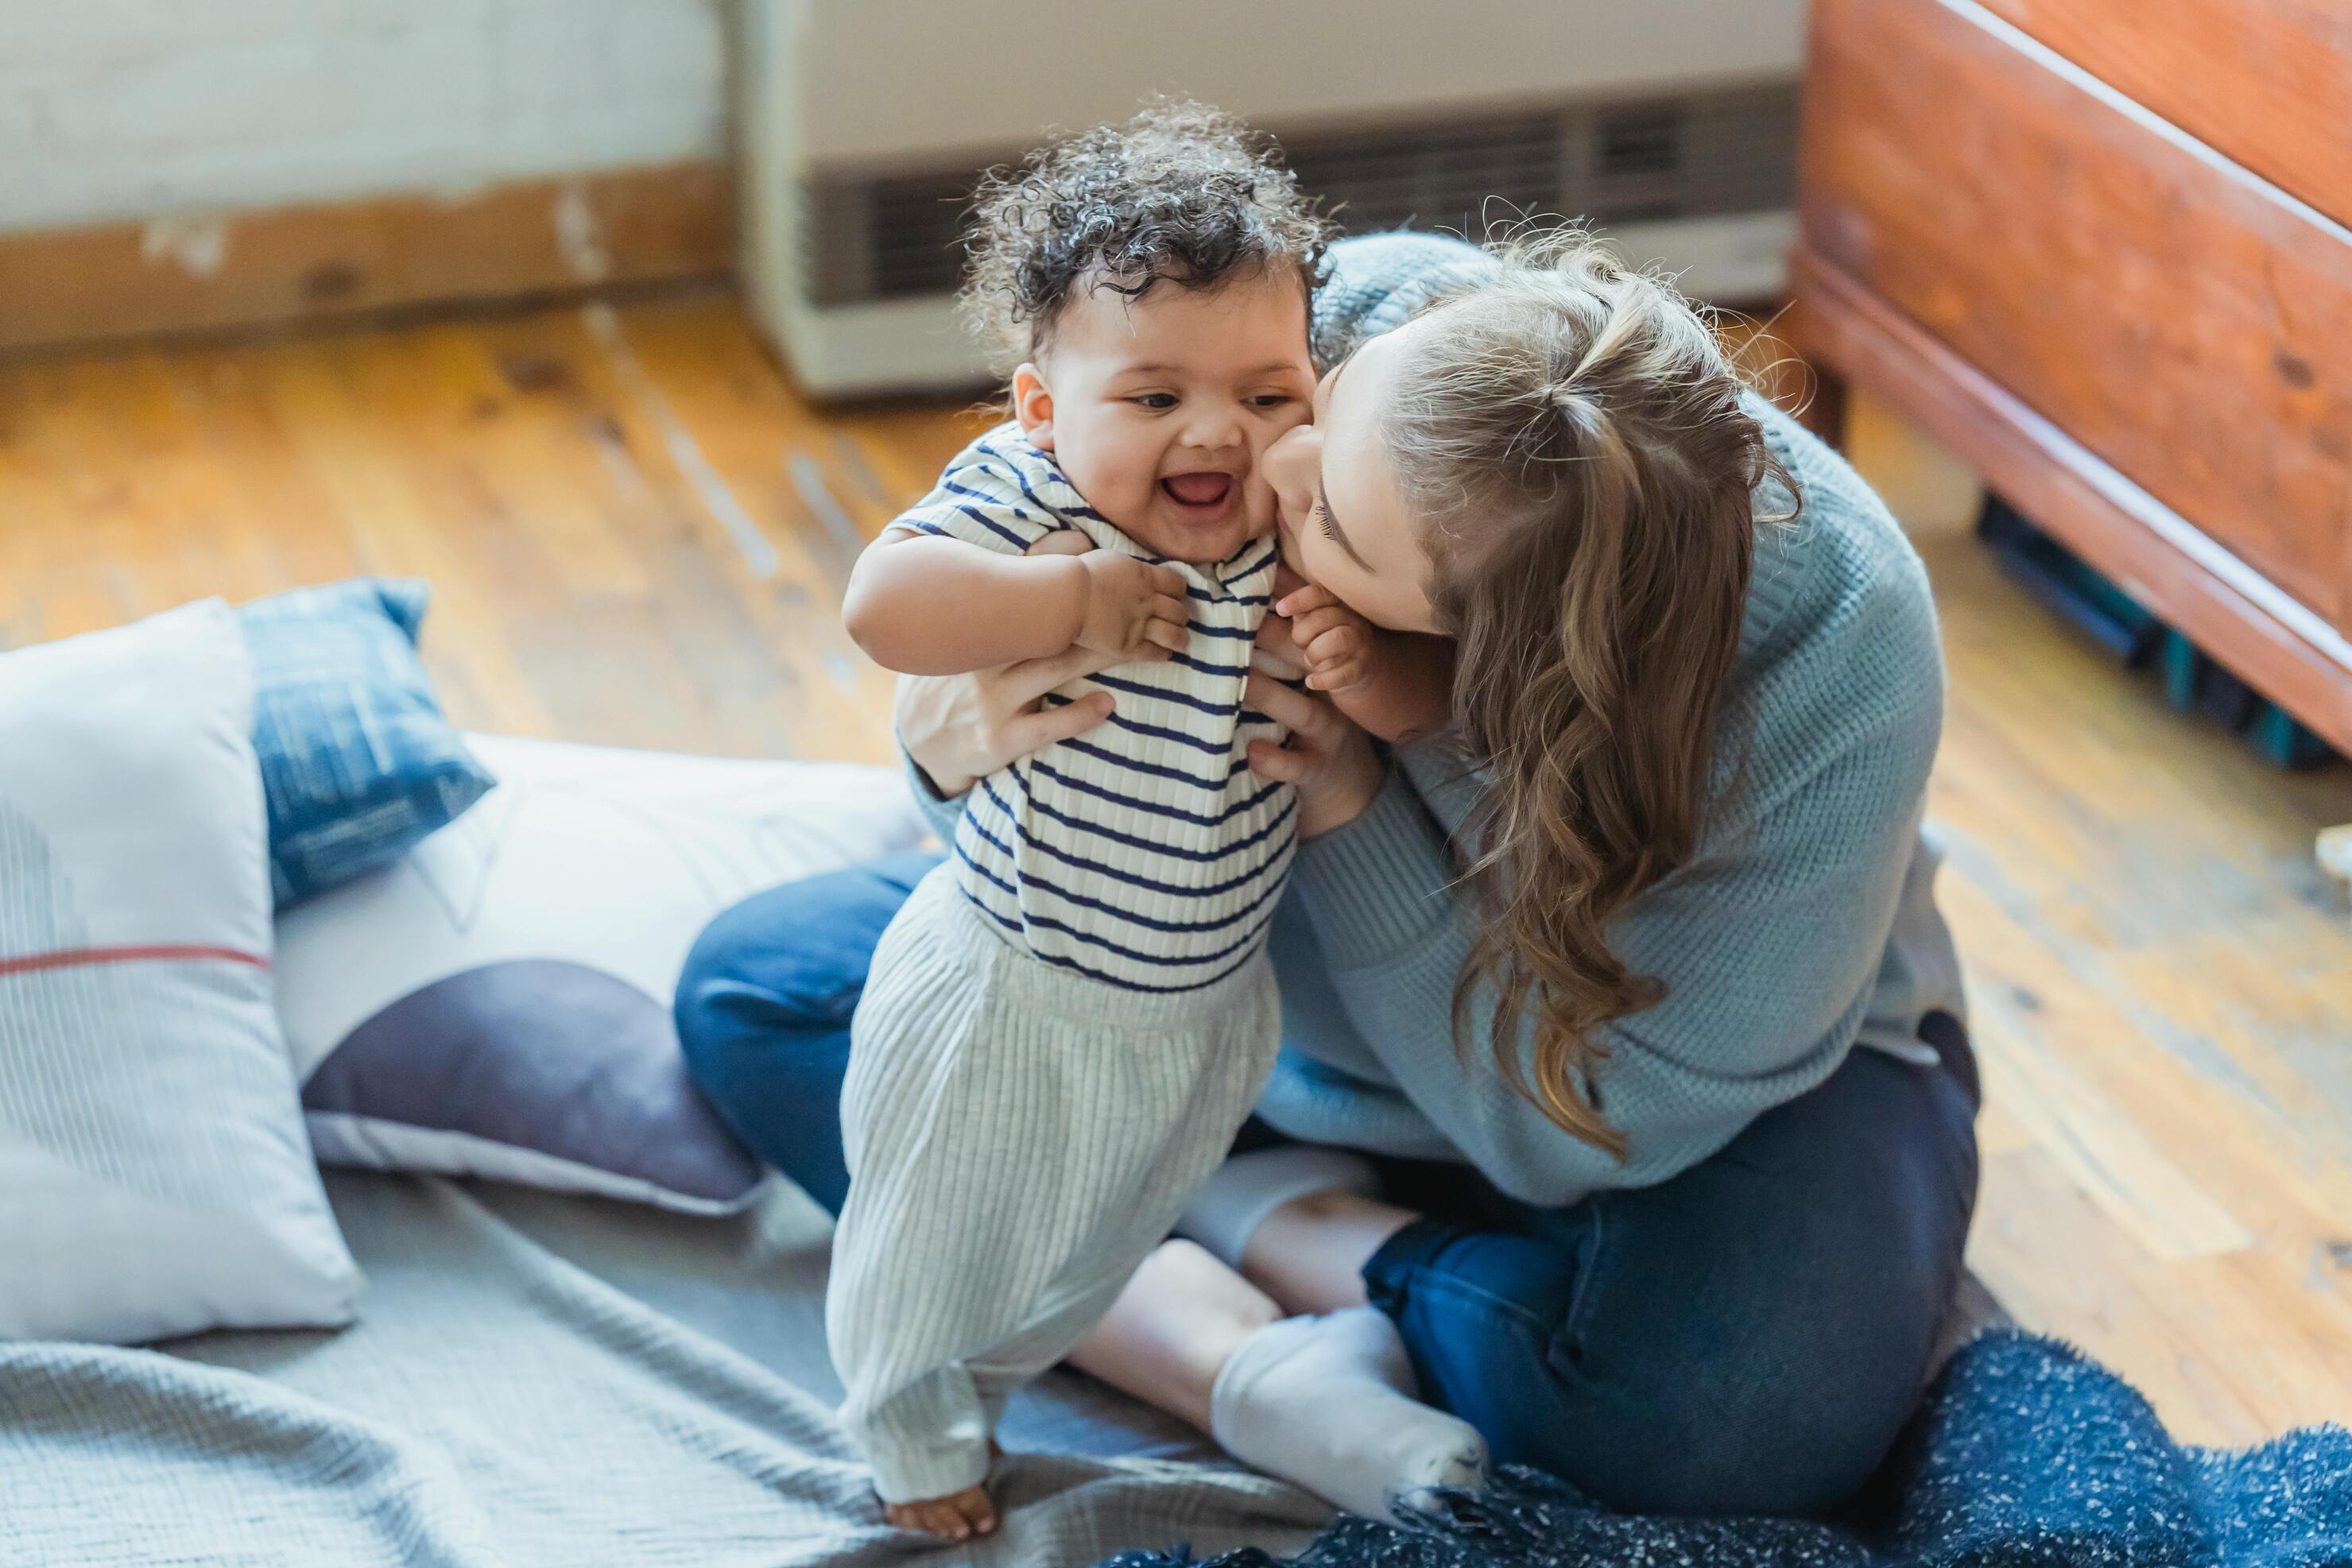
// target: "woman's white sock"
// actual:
[[1239, 1194], [1328, 1402]]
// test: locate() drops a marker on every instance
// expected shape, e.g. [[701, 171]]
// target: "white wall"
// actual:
[[129, 109]]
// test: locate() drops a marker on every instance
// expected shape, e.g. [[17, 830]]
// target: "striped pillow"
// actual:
[[154, 1176], [357, 760]]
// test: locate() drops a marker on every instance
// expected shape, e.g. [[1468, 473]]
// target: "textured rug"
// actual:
[[2023, 1455]]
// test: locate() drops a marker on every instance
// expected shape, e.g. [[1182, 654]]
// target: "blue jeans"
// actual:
[[1748, 1337]]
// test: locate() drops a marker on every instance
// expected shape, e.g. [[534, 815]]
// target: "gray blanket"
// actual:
[[539, 1379]]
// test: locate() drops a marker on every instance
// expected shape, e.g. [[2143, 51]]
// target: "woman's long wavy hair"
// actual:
[[1571, 439]]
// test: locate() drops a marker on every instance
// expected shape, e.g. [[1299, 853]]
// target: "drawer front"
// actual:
[[2176, 316], [2265, 82]]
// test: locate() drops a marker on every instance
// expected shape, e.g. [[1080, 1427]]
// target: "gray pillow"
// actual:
[[537, 1070]]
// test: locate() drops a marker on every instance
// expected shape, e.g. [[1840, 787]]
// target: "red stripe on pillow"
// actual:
[[75, 957]]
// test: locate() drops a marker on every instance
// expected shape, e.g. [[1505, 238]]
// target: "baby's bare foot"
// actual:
[[959, 1516]]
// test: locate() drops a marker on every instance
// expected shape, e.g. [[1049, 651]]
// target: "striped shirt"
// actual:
[[1144, 853]]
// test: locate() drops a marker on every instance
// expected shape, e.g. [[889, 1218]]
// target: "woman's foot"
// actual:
[[959, 1516], [1330, 1403]]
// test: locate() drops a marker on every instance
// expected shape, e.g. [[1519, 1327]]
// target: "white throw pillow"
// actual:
[[154, 1176], [497, 1002]]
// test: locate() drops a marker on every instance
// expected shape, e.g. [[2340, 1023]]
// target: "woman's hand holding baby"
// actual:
[[961, 728], [1330, 758], [1393, 684]]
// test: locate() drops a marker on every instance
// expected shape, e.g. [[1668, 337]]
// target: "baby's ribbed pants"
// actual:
[[1019, 1139]]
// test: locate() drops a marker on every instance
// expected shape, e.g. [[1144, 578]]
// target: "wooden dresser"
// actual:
[[2099, 247]]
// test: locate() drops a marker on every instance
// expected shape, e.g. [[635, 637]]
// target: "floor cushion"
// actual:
[[497, 1002], [154, 1176]]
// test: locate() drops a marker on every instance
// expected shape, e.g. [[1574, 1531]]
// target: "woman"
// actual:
[[1677, 1240]]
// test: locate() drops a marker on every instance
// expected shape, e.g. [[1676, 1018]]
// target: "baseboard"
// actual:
[[209, 272]]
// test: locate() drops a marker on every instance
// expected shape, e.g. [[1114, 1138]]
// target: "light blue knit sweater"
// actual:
[[1804, 924]]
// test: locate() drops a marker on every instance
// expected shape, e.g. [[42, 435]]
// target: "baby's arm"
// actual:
[[925, 604]]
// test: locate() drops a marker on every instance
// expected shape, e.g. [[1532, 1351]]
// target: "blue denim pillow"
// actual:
[[357, 761]]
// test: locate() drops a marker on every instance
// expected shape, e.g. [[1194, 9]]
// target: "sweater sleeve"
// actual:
[[1768, 970], [941, 812]]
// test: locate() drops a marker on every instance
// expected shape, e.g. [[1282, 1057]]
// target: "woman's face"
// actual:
[[1344, 526]]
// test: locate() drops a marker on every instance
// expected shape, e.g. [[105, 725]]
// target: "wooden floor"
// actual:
[[638, 535]]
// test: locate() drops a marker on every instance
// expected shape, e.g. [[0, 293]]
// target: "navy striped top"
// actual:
[[1144, 853]]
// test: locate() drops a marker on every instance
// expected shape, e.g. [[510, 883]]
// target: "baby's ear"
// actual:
[[1033, 406]]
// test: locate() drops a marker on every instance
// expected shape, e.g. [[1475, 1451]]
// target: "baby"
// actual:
[[1072, 1015]]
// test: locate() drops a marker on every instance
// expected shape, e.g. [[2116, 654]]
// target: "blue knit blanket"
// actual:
[[2025, 1454]]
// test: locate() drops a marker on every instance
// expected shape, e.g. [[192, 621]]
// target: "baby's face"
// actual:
[[1158, 408]]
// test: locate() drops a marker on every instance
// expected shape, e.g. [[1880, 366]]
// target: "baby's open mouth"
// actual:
[[1198, 489]]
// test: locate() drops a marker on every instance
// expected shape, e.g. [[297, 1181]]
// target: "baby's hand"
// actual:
[[1132, 607], [1340, 647]]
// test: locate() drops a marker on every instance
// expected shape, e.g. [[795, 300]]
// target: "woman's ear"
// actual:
[[1033, 406]]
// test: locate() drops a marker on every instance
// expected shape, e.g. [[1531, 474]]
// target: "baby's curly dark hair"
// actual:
[[1180, 194]]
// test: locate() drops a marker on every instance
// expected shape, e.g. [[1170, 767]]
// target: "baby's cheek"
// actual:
[[1119, 481], [1277, 425], [1139, 474]]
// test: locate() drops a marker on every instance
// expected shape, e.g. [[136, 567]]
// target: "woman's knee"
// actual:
[[1646, 1435], [763, 1011], [1776, 1406], [1756, 1392], [787, 963], [1761, 1342], [1653, 1358]]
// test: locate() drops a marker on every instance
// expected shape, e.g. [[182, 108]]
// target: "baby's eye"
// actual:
[[1270, 400], [1323, 521], [1160, 401]]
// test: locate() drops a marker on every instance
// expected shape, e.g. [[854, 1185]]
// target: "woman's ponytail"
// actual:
[[1573, 439]]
